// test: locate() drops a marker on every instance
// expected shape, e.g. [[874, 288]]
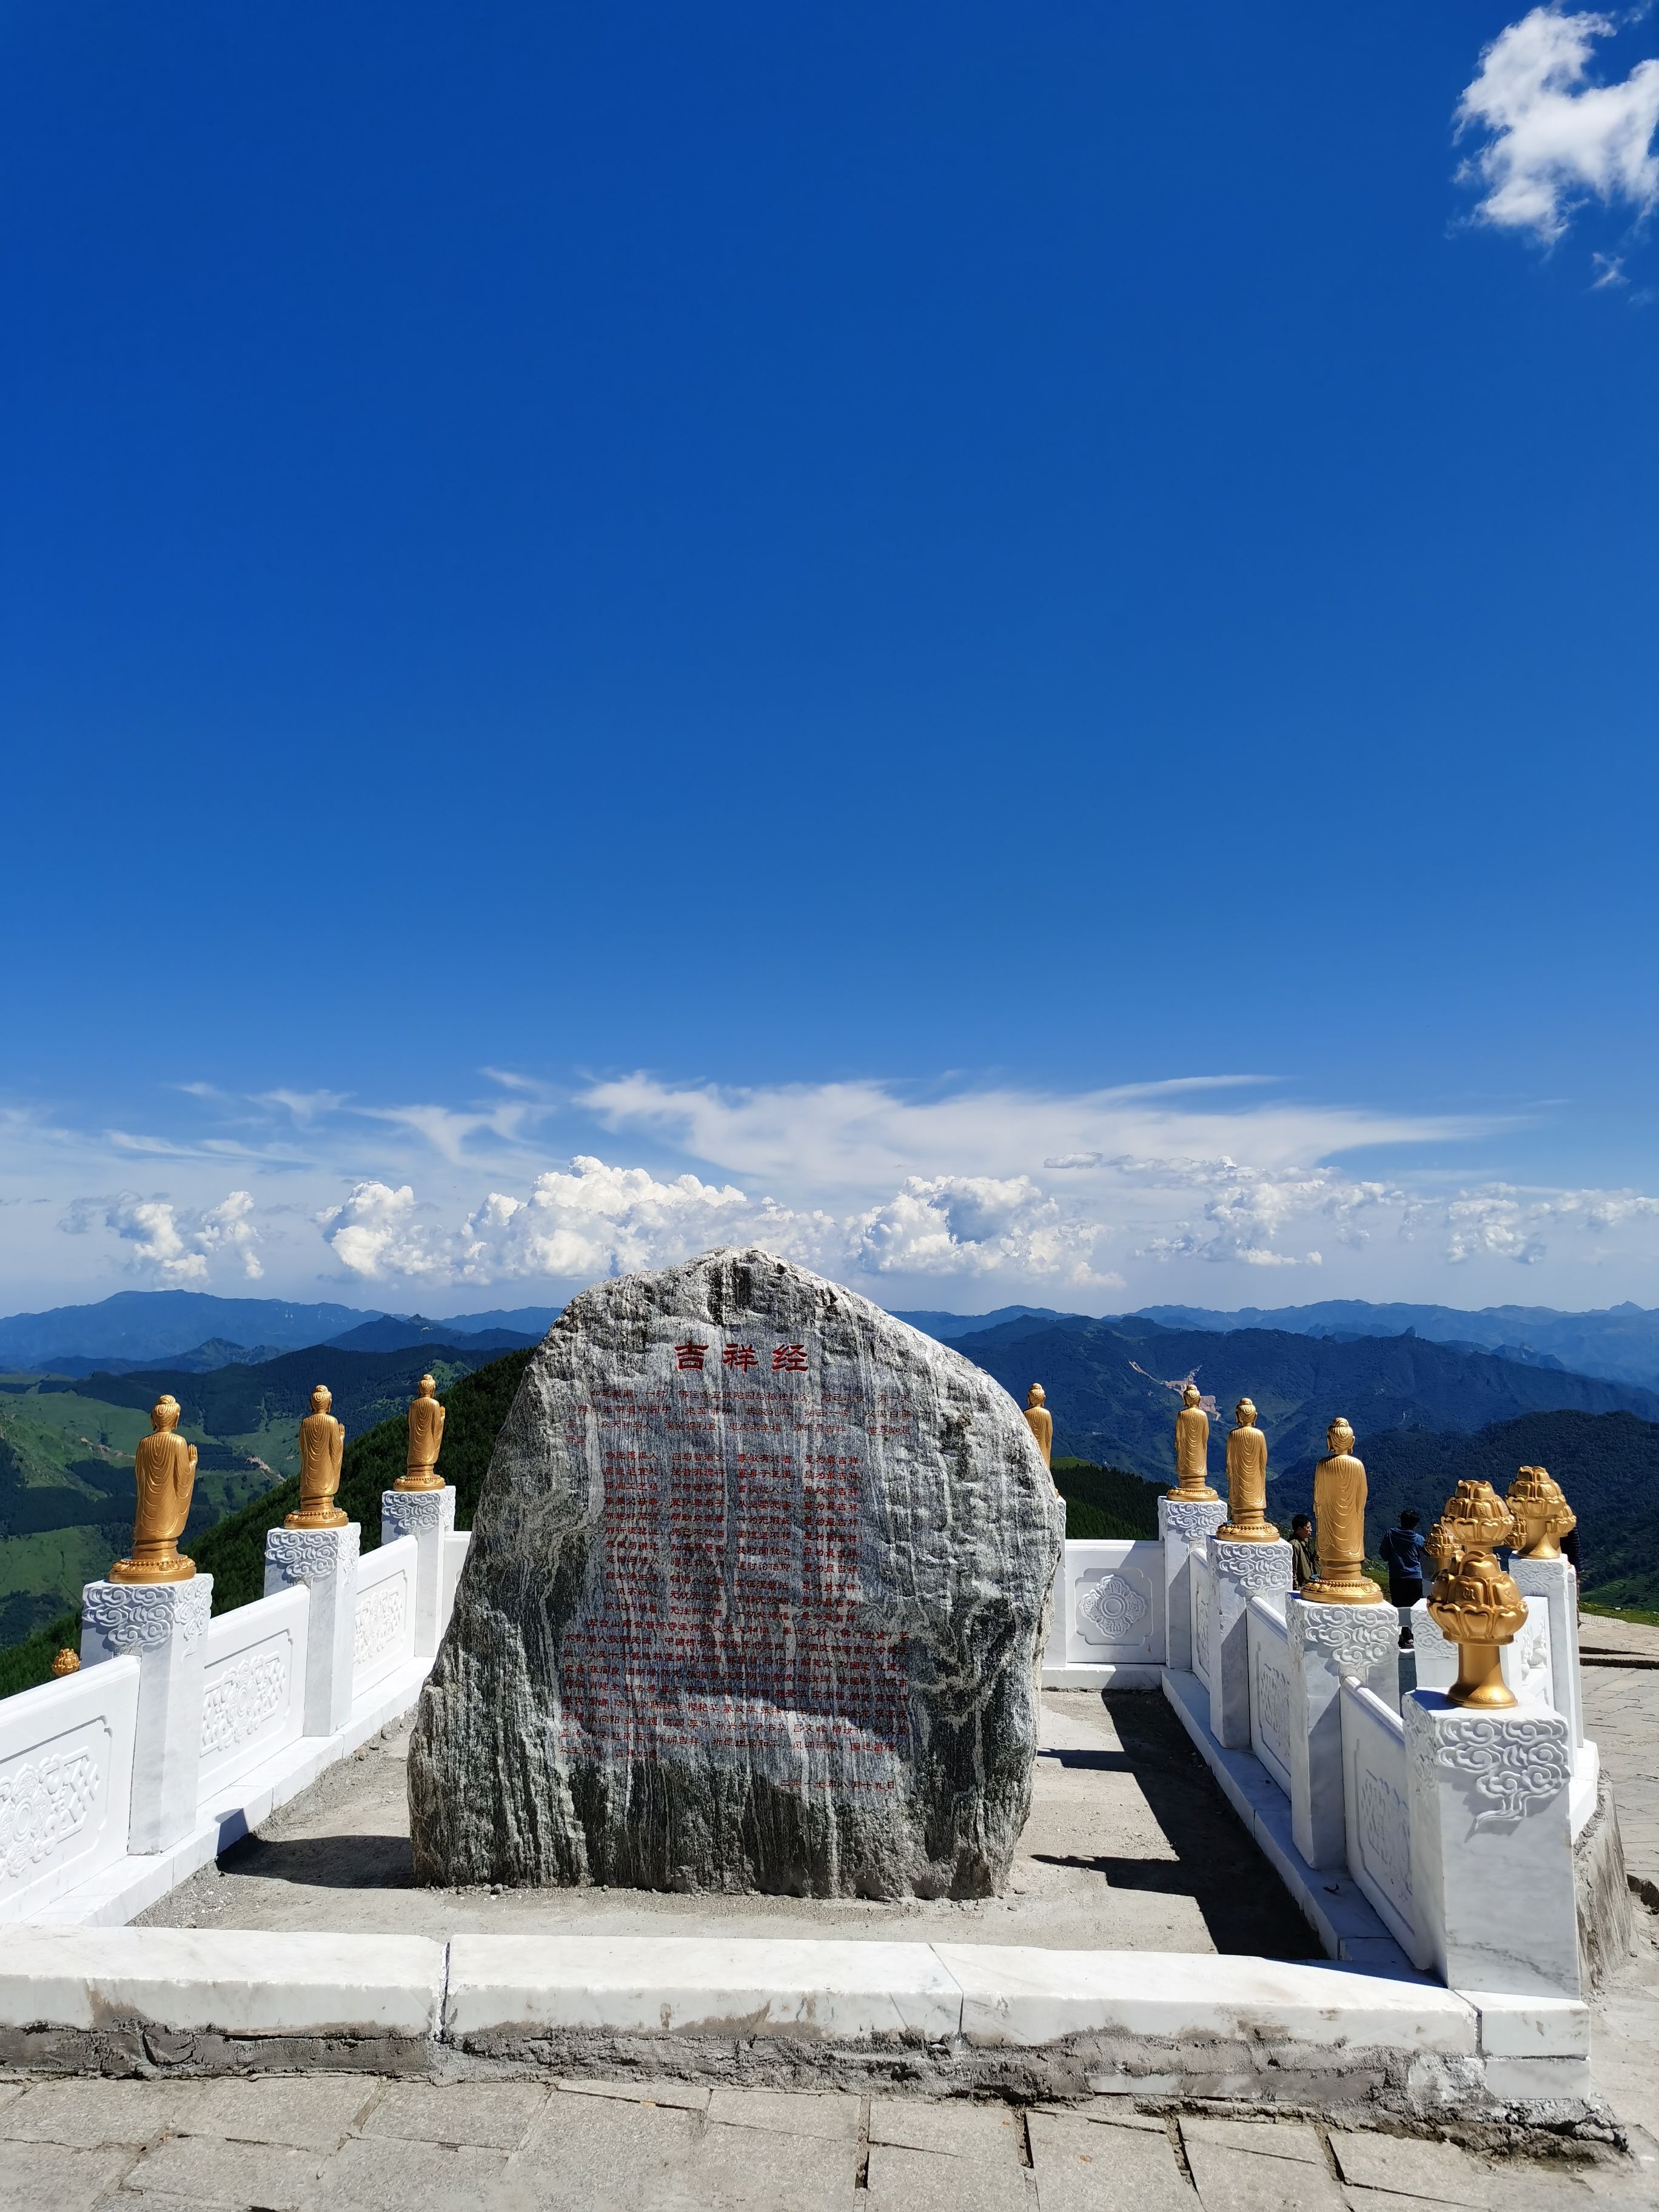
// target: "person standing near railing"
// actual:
[[1401, 1551]]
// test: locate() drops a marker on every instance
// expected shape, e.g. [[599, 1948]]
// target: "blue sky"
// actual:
[[846, 604]]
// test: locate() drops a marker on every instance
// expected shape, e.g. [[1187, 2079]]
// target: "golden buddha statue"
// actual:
[[1541, 1513], [322, 1443], [1246, 1482], [1193, 1450], [426, 1436], [1473, 1603], [1040, 1420], [164, 1467], [1339, 1525]]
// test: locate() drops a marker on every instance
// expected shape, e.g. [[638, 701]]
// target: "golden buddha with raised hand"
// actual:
[[164, 1466], [322, 1446], [426, 1436]]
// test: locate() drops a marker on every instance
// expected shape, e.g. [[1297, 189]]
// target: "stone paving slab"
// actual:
[[1130, 1846], [427, 2146]]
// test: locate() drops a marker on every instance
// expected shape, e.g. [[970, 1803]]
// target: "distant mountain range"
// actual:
[[947, 1326], [196, 1331], [1621, 1343]]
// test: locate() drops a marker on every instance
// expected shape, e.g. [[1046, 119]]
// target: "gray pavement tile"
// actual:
[[488, 2115], [44, 2176], [1289, 2139], [1082, 2167], [1233, 2180], [755, 2167], [9, 2091], [599, 2151], [85, 2113], [307, 2112], [204, 2170], [949, 2126], [1439, 2172], [924, 2181], [382, 2173], [690, 2096], [828, 2115]]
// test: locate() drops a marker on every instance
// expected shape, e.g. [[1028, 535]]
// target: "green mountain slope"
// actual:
[[233, 1552]]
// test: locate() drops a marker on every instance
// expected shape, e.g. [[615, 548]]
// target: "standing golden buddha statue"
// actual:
[[1039, 1421], [1339, 1525], [1193, 1450], [322, 1444], [426, 1436], [164, 1466], [1247, 1519]]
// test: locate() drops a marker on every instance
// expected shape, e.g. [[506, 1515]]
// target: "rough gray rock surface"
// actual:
[[754, 1600]]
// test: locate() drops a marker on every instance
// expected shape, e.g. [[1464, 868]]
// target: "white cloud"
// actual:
[[594, 1221], [974, 1225], [170, 1244], [1555, 139]]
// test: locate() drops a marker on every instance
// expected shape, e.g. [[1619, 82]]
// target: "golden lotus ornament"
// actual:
[[1541, 1513], [1473, 1603]]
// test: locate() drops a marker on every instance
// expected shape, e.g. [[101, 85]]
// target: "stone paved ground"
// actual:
[[1621, 1712], [1130, 1847], [335, 2141]]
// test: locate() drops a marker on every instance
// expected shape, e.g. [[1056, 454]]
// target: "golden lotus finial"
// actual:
[[68, 1661], [164, 1473], [1541, 1513], [322, 1449], [426, 1436], [1473, 1603]]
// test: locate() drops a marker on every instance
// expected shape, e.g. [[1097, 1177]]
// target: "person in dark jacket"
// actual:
[[1304, 1564], [1402, 1555]]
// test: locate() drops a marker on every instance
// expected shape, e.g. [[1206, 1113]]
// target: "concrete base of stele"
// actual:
[[945, 2017]]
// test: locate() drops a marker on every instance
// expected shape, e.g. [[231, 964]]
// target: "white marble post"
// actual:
[[326, 1561], [428, 1515], [1492, 1848], [1178, 1522], [1436, 1654], [1325, 1643], [164, 1625], [1554, 1581], [1240, 1571]]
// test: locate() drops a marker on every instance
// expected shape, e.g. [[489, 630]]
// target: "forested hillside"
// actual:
[[233, 1552], [1108, 1412]]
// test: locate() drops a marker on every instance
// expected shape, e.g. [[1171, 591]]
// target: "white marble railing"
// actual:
[[383, 1623], [1429, 1812], [253, 1688], [180, 1732]]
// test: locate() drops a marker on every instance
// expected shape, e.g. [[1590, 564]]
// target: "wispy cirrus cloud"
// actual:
[[1553, 138]]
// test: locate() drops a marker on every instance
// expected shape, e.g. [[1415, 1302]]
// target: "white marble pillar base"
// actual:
[[1554, 1581], [1178, 1524], [164, 1625], [326, 1560], [428, 1515], [1240, 1571], [1492, 1848], [1327, 1641]]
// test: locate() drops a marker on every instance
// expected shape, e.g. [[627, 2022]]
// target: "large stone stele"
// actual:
[[755, 1599]]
